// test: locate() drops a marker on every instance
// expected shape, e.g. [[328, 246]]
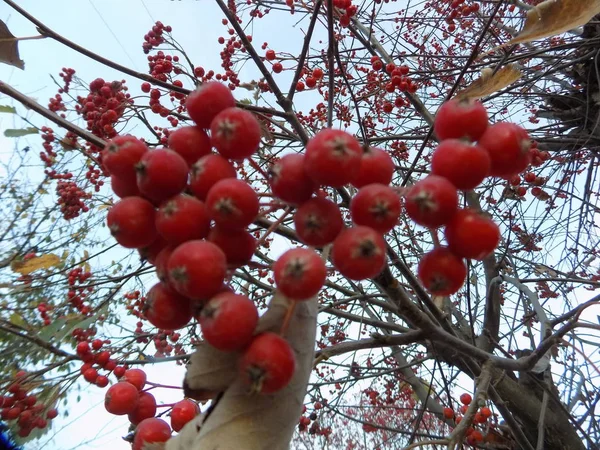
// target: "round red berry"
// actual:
[[183, 412], [191, 142], [232, 203], [238, 245], [300, 273], [121, 398], [207, 171], [289, 180], [432, 201], [466, 399], [471, 235], [137, 377], [167, 309], [235, 133], [182, 218], [509, 146], [376, 166], [207, 101], [463, 164], [121, 154], [131, 222], [359, 253], [151, 431], [459, 119], [318, 221], [376, 206], [145, 409], [442, 272], [161, 174]]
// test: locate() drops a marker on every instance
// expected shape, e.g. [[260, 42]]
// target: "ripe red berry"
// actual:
[[121, 398], [166, 309], [448, 413], [471, 235], [191, 142], [90, 375], [509, 146], [333, 157], [83, 348], [102, 381], [268, 364], [432, 201], [486, 412], [131, 222], [463, 164], [235, 133], [207, 171], [228, 321], [277, 67], [125, 186], [289, 180], [442, 272], [102, 358], [151, 431], [150, 252], [466, 399], [137, 377], [359, 253], [161, 174], [182, 218], [238, 245], [207, 101], [376, 206], [197, 269], [300, 273], [52, 414], [119, 371], [376, 166], [270, 55], [318, 221], [183, 412], [232, 203], [458, 119], [122, 154], [145, 409]]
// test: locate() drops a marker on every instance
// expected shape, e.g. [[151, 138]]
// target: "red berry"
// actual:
[[125, 186], [232, 203], [448, 413], [463, 164], [235, 133], [466, 399], [300, 273], [432, 201], [161, 174], [270, 55], [317, 73], [145, 409], [289, 180], [207, 172], [359, 253], [137, 377], [119, 371], [102, 381], [442, 272], [83, 348], [151, 431], [376, 206], [131, 222], [207, 101], [268, 364], [102, 358], [182, 218], [508, 145], [191, 142], [472, 235], [150, 252], [318, 221], [166, 309], [197, 269], [121, 398], [277, 67], [97, 344], [333, 157], [90, 375], [238, 245], [376, 166], [486, 412], [183, 412], [457, 119], [228, 321], [122, 154]]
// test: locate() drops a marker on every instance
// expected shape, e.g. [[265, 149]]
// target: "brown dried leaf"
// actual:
[[490, 82], [9, 48], [554, 17], [260, 422], [33, 264]]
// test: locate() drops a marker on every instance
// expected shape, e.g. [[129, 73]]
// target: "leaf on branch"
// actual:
[[17, 319], [20, 132], [490, 82], [9, 48], [210, 371], [8, 109], [554, 17], [33, 264]]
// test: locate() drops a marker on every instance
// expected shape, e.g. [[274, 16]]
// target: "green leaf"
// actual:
[[246, 101], [17, 319], [11, 132], [8, 109]]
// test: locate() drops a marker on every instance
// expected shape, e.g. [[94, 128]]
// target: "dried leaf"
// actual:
[[33, 264], [490, 82], [9, 48], [554, 17]]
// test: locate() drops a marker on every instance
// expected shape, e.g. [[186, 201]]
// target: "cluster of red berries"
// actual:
[[459, 11], [128, 397], [78, 293], [104, 106], [399, 79], [474, 434], [43, 309], [23, 407], [458, 163], [71, 199], [349, 11], [155, 37], [94, 360], [191, 256]]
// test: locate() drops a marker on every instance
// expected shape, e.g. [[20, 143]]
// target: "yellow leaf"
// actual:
[[554, 17], [17, 319], [490, 82], [33, 264]]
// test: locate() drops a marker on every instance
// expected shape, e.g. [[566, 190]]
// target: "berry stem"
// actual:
[[288, 318]]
